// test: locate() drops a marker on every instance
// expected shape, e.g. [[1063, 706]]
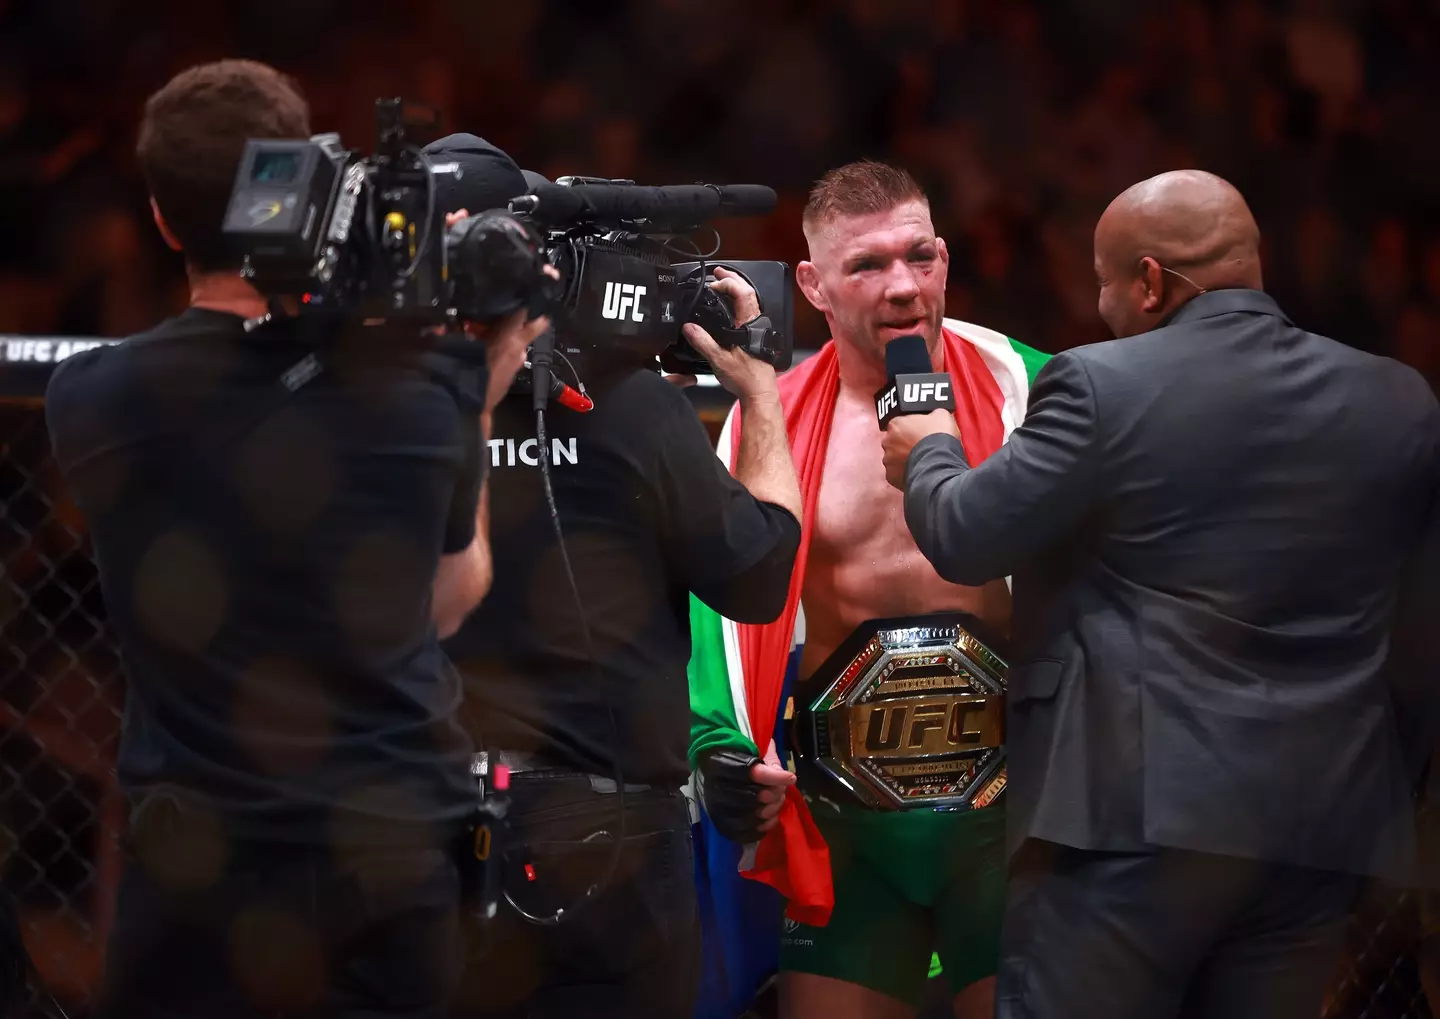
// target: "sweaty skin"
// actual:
[[875, 277], [1165, 240]]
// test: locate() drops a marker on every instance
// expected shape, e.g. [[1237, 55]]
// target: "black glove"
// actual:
[[729, 796]]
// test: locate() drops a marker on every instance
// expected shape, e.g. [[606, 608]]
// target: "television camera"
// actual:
[[362, 238]]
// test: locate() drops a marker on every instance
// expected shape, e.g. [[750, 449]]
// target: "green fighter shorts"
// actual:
[[907, 884]]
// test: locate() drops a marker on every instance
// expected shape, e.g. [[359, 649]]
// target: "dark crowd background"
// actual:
[[1022, 118]]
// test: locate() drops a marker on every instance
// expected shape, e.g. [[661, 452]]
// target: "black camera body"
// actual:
[[622, 298], [345, 235], [362, 238]]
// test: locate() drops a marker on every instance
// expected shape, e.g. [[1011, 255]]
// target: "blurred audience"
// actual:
[[1023, 119]]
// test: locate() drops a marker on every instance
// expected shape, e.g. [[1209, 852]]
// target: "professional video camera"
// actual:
[[362, 238]]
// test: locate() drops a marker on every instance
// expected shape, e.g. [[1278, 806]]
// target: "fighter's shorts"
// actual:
[[906, 884]]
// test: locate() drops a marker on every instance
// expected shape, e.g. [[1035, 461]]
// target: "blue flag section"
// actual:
[[740, 926]]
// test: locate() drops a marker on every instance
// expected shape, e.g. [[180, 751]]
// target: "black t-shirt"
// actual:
[[267, 559], [649, 514]]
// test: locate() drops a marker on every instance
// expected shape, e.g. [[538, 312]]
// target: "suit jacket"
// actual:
[[1207, 526]]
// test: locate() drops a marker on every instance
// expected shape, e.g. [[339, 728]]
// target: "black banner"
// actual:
[[27, 361]]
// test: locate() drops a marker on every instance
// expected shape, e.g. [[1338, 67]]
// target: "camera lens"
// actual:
[[495, 264]]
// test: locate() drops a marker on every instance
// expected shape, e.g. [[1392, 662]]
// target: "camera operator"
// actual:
[[275, 547], [649, 514]]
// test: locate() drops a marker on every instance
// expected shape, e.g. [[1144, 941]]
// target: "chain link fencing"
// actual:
[[61, 693], [61, 814]]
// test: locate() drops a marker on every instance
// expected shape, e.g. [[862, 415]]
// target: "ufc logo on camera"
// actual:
[[914, 394], [622, 300]]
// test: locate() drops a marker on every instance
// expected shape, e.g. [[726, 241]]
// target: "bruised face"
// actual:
[[877, 276]]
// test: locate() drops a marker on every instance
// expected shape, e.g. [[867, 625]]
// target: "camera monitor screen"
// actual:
[[273, 167]]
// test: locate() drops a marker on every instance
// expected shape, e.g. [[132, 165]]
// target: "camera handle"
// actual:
[[542, 356]]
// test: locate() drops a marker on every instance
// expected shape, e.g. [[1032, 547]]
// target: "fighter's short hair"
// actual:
[[860, 189]]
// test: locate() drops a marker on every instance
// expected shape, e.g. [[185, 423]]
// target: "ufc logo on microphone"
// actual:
[[887, 402], [926, 392], [623, 298]]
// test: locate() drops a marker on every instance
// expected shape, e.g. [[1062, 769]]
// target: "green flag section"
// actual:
[[714, 723]]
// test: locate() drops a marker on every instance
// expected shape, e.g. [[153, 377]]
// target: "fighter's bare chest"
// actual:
[[861, 543], [863, 562]]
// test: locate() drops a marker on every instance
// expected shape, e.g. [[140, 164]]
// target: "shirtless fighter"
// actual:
[[905, 883]]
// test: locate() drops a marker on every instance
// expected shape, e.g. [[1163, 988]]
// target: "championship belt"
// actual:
[[908, 713]]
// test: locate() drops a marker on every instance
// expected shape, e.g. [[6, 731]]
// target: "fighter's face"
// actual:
[[878, 276]]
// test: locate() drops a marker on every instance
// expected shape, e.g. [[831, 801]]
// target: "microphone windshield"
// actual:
[[907, 355], [746, 199]]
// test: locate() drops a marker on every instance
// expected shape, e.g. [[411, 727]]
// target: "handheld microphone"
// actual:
[[911, 386], [616, 204]]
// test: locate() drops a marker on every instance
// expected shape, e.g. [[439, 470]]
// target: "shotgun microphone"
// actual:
[[911, 386], [616, 204]]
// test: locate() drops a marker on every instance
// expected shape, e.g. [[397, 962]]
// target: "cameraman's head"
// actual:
[[191, 141]]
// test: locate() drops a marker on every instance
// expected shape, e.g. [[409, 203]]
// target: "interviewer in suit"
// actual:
[[1207, 521]]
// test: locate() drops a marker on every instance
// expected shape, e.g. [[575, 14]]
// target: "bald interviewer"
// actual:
[[1210, 523]]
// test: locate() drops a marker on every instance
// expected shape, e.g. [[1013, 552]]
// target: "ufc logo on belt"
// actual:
[[933, 727]]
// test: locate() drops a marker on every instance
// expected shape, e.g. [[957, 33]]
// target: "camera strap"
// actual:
[[754, 337], [234, 426]]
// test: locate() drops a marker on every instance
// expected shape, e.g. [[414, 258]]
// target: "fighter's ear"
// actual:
[[164, 227], [808, 278]]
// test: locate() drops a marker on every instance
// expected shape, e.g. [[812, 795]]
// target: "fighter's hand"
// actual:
[[773, 780], [901, 435], [741, 793]]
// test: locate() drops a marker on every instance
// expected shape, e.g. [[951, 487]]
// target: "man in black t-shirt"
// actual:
[[649, 514], [276, 564]]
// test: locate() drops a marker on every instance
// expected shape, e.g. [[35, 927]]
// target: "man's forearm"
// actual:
[[463, 579], [763, 464], [937, 519], [977, 525]]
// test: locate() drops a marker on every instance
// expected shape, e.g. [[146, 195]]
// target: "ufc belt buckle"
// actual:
[[909, 713]]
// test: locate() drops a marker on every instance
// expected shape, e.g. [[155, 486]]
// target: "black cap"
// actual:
[[534, 179], [488, 178]]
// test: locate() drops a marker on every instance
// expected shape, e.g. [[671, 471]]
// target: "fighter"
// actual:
[[905, 884]]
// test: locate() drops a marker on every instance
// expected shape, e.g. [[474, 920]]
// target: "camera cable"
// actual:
[[541, 358]]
